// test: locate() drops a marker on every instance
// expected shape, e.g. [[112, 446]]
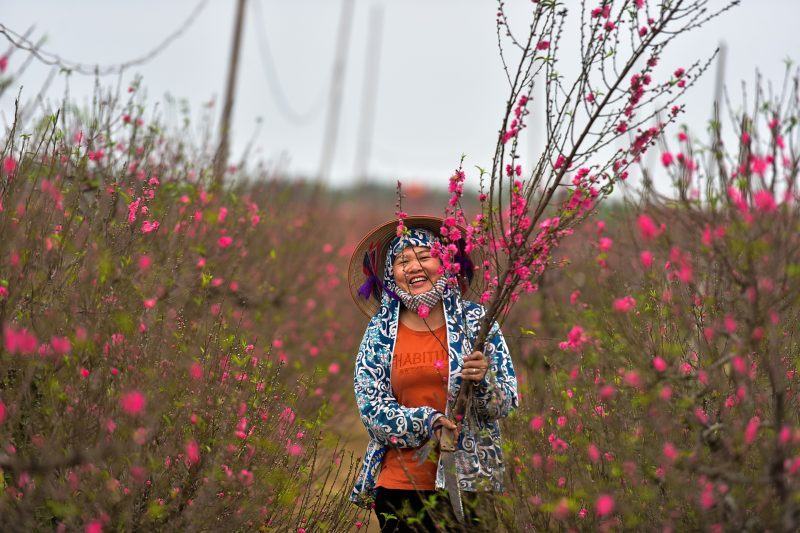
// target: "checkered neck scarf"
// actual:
[[414, 237], [429, 298]]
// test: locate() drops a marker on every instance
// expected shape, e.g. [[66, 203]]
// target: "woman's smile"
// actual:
[[418, 282]]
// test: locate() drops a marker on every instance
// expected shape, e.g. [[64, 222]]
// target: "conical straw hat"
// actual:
[[378, 240]]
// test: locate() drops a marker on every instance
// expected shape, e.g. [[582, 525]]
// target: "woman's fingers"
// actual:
[[448, 423], [475, 356], [472, 372], [474, 367]]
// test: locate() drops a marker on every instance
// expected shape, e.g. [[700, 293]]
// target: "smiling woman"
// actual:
[[416, 353]]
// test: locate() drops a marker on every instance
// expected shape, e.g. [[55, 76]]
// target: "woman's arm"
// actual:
[[496, 395], [385, 419]]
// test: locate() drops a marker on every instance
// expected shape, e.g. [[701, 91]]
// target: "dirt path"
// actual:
[[354, 438]]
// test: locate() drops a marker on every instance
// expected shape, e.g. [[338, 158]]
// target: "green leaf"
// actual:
[[62, 509], [155, 511], [124, 322], [105, 266]]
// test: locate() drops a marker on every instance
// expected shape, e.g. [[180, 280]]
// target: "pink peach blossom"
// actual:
[[659, 364], [751, 431], [624, 304], [647, 228], [61, 345], [764, 201], [196, 371], [192, 452], [19, 341], [604, 505], [133, 402], [670, 452], [646, 258], [149, 226], [9, 165], [95, 526]]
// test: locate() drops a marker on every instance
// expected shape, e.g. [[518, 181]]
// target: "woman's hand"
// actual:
[[446, 422], [475, 367]]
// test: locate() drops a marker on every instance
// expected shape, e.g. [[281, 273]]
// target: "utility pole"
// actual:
[[369, 94], [719, 86], [221, 157], [337, 86]]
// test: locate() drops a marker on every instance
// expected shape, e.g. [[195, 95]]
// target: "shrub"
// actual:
[[677, 402], [140, 382]]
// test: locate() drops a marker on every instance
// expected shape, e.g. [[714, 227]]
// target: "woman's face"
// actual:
[[416, 270]]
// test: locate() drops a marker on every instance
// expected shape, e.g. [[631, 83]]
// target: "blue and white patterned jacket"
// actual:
[[479, 459]]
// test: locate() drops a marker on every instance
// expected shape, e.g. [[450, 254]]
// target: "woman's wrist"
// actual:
[[437, 423]]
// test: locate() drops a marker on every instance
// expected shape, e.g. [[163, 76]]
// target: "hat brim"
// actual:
[[379, 238]]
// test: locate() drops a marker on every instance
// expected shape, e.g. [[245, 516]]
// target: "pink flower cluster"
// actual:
[[576, 339], [517, 123]]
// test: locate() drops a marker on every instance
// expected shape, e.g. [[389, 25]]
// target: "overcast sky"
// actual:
[[440, 87]]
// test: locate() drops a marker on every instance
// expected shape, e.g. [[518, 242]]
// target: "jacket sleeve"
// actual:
[[496, 395], [386, 420]]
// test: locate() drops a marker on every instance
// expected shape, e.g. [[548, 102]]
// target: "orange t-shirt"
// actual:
[[419, 378]]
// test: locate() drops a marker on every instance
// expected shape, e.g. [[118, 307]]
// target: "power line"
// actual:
[[336, 90], [273, 80], [48, 58], [369, 93]]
